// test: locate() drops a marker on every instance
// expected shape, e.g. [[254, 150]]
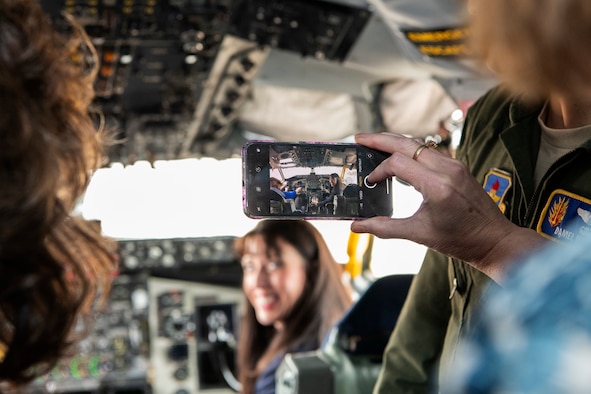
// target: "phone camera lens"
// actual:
[[258, 169]]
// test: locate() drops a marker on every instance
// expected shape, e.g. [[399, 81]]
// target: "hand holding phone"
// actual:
[[314, 180]]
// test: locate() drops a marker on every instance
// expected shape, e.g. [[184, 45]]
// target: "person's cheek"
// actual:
[[278, 281], [247, 282]]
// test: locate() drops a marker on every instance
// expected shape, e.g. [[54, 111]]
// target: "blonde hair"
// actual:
[[537, 46]]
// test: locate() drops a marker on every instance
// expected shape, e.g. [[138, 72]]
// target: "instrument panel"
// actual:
[[165, 328]]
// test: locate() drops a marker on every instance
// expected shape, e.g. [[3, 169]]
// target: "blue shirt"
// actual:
[[534, 335], [265, 383]]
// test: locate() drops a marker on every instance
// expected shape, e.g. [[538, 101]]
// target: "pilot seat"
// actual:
[[348, 203], [350, 358], [279, 205]]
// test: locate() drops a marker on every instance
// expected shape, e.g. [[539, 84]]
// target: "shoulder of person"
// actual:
[[491, 106], [495, 111], [501, 108]]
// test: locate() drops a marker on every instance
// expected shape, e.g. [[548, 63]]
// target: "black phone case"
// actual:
[[305, 168]]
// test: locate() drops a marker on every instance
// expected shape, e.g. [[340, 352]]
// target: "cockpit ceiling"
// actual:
[[185, 78], [288, 156]]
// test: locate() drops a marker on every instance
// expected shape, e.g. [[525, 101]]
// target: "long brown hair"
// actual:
[[324, 300], [339, 183], [53, 266]]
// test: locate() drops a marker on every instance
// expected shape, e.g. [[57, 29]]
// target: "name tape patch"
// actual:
[[565, 217]]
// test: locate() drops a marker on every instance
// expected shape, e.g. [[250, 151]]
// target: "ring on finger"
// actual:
[[429, 144]]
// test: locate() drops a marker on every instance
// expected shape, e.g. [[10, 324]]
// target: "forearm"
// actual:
[[327, 200]]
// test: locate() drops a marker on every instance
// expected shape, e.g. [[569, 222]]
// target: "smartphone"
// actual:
[[313, 180]]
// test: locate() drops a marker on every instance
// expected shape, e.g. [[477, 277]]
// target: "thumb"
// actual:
[[381, 227]]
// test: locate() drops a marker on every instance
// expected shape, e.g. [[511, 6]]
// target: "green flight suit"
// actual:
[[501, 133]]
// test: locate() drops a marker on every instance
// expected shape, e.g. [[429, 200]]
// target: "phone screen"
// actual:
[[313, 181]]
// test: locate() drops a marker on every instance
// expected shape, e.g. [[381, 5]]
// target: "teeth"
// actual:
[[266, 300]]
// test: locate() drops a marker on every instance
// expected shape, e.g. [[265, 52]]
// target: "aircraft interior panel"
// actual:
[[196, 79], [193, 331], [169, 325], [173, 80]]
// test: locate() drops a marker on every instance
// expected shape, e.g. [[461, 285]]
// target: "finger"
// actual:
[[402, 167], [388, 142], [395, 144], [385, 227], [433, 185], [399, 144]]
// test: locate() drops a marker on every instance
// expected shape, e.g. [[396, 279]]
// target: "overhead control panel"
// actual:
[[155, 57], [167, 82], [319, 29]]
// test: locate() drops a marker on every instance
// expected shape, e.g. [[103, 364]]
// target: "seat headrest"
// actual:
[[366, 327]]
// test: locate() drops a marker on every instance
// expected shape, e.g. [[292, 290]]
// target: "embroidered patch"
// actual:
[[496, 184], [565, 217]]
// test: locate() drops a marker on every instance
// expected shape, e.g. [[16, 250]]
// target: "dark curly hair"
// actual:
[[54, 267]]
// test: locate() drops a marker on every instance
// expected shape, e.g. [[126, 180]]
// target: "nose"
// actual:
[[262, 278]]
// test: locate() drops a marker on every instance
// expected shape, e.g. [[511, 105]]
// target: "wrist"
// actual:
[[509, 248]]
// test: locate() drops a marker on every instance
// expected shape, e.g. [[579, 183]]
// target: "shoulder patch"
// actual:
[[496, 184], [565, 217]]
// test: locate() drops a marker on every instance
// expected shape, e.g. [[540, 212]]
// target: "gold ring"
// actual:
[[429, 144]]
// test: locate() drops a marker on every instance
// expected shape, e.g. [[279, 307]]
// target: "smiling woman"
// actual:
[[294, 294], [273, 280]]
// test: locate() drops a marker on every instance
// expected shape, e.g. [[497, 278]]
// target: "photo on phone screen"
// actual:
[[313, 181]]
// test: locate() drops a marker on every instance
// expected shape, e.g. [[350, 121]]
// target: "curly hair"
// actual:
[[54, 267]]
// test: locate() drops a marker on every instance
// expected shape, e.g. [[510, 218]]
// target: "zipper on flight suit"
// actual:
[[454, 287], [455, 284]]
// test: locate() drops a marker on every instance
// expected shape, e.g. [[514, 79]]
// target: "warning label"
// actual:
[[444, 42]]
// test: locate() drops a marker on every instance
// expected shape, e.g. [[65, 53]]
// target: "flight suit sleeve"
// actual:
[[410, 360]]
